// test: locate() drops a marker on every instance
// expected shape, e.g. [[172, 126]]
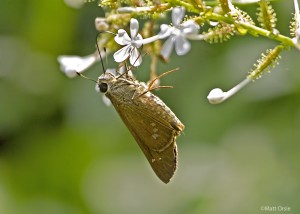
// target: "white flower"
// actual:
[[131, 47], [71, 65], [177, 34], [131, 44], [217, 96]]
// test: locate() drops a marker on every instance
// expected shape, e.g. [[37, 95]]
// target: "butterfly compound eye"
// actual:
[[103, 87]]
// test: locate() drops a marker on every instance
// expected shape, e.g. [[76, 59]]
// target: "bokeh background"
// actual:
[[63, 151]]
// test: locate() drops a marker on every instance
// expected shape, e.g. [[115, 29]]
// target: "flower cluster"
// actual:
[[178, 34], [224, 21]]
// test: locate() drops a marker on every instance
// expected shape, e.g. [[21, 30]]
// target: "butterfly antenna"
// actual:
[[104, 48], [105, 52], [100, 53], [81, 75]]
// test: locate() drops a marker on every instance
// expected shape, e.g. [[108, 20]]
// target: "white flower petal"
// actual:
[[216, 96], [135, 57], [138, 37], [167, 48], [182, 45], [72, 64], [134, 28], [122, 37], [190, 27], [137, 41], [165, 31], [122, 54], [177, 15]]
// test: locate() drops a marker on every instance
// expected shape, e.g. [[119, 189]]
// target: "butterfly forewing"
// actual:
[[153, 125], [163, 159]]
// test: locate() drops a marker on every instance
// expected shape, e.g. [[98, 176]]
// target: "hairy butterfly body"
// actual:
[[151, 122]]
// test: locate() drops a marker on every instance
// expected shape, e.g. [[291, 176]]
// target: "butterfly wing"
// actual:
[[155, 130]]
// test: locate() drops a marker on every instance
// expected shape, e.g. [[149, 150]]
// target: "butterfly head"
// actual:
[[105, 81]]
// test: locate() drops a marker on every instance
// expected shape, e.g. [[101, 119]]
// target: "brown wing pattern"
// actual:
[[162, 126], [154, 134]]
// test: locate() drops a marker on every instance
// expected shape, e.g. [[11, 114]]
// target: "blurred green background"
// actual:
[[63, 151]]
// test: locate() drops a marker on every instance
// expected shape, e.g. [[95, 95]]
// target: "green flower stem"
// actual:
[[188, 7], [252, 29], [260, 31]]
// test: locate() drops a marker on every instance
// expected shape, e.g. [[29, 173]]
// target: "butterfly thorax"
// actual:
[[121, 89]]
